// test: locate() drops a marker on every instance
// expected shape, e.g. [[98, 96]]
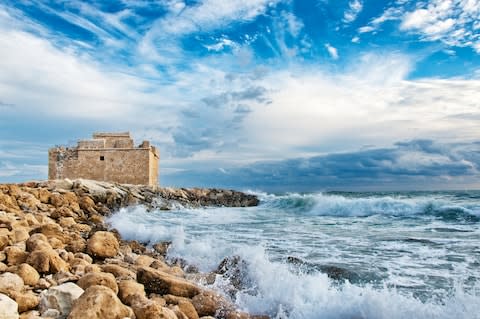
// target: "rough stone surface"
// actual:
[[47, 261], [99, 302], [103, 244], [128, 289], [60, 298], [29, 275], [148, 309], [209, 303], [157, 281], [25, 300], [8, 308], [10, 282], [98, 278]]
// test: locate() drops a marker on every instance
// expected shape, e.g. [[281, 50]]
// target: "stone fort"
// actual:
[[108, 157]]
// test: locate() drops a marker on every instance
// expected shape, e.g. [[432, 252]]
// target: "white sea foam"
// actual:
[[204, 237]]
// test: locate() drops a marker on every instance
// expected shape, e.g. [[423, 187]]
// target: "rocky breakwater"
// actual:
[[59, 260]]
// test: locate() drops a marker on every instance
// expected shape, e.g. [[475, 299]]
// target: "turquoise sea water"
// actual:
[[332, 255]]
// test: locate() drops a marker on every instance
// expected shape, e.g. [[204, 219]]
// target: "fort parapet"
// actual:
[[110, 157]]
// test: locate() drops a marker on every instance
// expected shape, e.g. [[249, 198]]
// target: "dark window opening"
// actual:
[[102, 158]]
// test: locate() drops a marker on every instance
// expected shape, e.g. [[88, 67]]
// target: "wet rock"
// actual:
[[99, 302], [157, 281], [29, 275], [10, 282], [8, 307], [59, 298], [98, 278], [103, 244], [209, 303], [162, 247]]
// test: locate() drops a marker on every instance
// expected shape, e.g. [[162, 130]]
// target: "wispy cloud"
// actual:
[[447, 21], [354, 8], [332, 51]]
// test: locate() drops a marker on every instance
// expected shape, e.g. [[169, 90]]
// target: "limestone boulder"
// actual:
[[100, 279], [47, 261], [37, 241], [103, 244], [208, 303], [29, 274], [4, 241], [160, 282], [118, 271], [50, 230], [128, 290], [99, 302], [15, 255], [20, 235], [60, 299], [8, 307], [147, 309], [25, 300], [76, 243], [10, 282]]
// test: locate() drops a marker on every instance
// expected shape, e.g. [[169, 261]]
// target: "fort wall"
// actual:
[[109, 157]]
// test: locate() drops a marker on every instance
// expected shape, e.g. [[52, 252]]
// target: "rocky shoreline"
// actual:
[[58, 259]]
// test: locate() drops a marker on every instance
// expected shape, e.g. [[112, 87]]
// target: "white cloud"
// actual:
[[221, 44], [366, 29], [452, 22], [332, 51], [354, 8], [372, 104]]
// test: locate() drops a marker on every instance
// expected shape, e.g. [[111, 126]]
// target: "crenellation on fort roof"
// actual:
[[109, 157]]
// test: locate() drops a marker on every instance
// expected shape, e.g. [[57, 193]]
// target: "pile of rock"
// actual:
[[58, 260]]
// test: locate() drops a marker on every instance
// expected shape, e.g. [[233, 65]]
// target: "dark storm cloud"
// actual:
[[421, 164]]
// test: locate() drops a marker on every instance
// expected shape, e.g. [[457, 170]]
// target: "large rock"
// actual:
[[148, 309], [37, 242], [118, 271], [98, 278], [209, 303], [103, 244], [10, 282], [8, 308], [15, 255], [99, 302], [50, 231], [60, 299], [160, 282], [47, 261], [25, 300], [128, 289], [29, 275]]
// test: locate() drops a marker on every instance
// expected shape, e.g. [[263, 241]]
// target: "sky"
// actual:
[[275, 95]]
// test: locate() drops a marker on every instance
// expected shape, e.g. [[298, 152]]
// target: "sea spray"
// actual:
[[413, 256]]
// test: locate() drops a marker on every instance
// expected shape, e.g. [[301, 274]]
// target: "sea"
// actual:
[[332, 254]]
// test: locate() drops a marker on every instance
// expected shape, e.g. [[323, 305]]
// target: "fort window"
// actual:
[[102, 158]]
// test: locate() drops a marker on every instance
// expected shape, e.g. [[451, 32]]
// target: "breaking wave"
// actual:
[[346, 206]]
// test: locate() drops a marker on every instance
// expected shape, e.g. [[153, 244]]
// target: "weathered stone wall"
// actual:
[[108, 157]]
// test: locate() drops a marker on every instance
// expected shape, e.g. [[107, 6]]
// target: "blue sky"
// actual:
[[265, 94]]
